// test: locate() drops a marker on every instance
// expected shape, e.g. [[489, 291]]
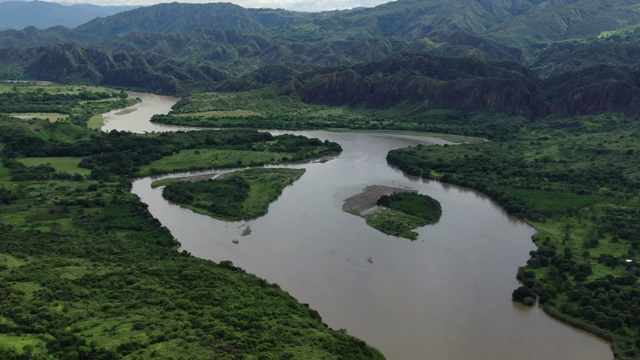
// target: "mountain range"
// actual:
[[523, 57]]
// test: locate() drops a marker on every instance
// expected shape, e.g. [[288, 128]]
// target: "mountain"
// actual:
[[574, 56], [526, 26], [424, 82], [73, 63], [177, 18], [432, 82], [560, 20], [518, 57], [595, 90], [41, 14]]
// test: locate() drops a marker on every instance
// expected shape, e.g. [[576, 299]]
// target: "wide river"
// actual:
[[446, 295]]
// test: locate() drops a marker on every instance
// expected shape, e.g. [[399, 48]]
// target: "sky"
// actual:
[[296, 5]]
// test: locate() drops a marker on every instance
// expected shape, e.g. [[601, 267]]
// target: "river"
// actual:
[[446, 295]]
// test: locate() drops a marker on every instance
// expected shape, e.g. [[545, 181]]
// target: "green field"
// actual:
[[5, 175], [52, 117], [28, 344], [95, 122], [61, 164], [51, 88], [59, 103], [264, 109], [187, 160], [223, 113], [270, 150]]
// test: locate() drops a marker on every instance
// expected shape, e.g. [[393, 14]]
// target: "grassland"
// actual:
[[263, 109], [5, 175], [266, 150], [95, 122], [49, 87], [48, 101], [67, 165], [53, 117], [187, 160], [223, 113]]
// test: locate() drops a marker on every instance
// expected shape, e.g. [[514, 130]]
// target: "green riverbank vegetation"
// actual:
[[47, 101], [402, 212], [578, 183], [241, 195], [236, 152], [264, 109], [87, 273]]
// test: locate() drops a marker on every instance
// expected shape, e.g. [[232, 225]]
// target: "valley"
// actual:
[[495, 109]]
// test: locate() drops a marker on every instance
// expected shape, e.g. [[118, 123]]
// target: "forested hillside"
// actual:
[[560, 46]]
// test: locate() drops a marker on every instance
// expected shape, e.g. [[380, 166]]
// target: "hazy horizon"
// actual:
[[295, 5]]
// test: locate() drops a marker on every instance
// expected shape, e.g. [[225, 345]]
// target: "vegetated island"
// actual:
[[241, 195], [393, 210]]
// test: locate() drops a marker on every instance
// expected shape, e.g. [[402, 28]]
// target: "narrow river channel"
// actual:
[[446, 295]]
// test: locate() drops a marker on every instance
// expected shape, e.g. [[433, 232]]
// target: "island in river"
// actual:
[[241, 195], [393, 210]]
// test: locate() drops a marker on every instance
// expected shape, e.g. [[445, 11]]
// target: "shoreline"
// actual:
[[369, 196]]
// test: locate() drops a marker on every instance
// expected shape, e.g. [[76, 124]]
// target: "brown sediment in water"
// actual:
[[369, 197], [126, 111]]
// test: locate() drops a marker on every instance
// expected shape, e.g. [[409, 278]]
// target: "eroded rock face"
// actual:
[[596, 90]]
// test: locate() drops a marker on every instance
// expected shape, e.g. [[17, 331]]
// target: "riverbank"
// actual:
[[85, 269], [575, 187], [332, 261]]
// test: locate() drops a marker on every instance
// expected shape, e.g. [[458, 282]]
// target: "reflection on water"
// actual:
[[446, 295]]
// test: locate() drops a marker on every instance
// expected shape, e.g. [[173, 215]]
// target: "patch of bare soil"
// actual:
[[369, 197]]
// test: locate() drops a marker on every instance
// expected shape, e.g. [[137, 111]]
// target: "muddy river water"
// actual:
[[446, 295]]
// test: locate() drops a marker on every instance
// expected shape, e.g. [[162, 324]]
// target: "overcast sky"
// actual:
[[298, 5]]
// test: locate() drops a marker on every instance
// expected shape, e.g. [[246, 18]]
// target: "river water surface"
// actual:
[[446, 295]]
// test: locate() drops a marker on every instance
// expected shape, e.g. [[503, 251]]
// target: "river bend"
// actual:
[[446, 295]]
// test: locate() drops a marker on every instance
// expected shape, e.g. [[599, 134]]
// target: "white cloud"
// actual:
[[297, 5]]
